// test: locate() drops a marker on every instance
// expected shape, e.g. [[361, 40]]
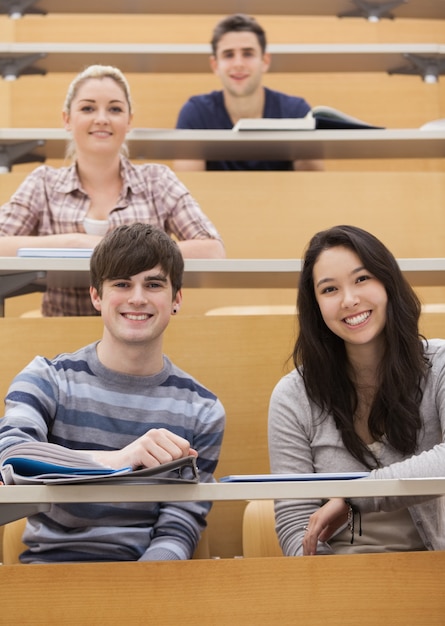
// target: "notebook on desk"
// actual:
[[249, 478], [55, 253]]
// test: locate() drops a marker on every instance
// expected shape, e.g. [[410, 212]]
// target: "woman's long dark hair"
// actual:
[[322, 355]]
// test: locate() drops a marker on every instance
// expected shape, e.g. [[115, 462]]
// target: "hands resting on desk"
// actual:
[[157, 446], [10, 244]]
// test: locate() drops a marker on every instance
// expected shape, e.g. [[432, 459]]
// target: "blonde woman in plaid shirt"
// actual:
[[76, 205]]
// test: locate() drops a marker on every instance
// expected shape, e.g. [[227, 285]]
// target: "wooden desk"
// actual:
[[22, 500], [399, 589], [428, 9], [23, 275], [194, 58], [163, 144], [406, 589]]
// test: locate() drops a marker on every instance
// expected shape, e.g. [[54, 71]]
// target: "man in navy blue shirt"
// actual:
[[240, 59]]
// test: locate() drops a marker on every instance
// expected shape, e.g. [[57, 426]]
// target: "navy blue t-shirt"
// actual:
[[208, 112]]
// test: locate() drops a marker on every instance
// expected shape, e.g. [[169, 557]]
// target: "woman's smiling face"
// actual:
[[99, 116], [352, 301]]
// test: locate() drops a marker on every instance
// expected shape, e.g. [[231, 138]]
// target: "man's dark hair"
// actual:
[[238, 23], [133, 248]]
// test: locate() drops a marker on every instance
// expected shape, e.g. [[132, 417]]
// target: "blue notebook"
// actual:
[[35, 466], [270, 478], [55, 253]]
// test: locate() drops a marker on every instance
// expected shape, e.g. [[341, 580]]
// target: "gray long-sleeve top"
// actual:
[[302, 441]]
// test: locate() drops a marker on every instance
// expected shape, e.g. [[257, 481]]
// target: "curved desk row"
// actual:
[[429, 9], [21, 500], [20, 275], [41, 58], [163, 144]]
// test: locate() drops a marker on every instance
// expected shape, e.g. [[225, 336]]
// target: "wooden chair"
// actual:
[[265, 309], [259, 536], [13, 545]]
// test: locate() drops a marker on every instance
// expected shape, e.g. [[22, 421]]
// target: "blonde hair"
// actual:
[[96, 71]]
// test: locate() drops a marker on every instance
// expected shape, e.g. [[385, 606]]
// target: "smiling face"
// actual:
[[352, 301], [136, 310], [240, 63], [99, 116]]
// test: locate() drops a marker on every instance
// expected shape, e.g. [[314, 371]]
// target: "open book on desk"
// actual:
[[320, 117], [44, 463]]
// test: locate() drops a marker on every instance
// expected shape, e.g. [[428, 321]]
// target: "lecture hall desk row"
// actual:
[[373, 96], [274, 215], [253, 353], [393, 589]]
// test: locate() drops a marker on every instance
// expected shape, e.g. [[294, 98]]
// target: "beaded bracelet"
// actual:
[[352, 511]]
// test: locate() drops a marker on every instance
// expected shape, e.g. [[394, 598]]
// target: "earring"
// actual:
[[174, 310]]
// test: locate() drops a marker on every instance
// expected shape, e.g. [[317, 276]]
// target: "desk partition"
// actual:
[[23, 275], [163, 144], [403, 589], [427, 9], [394, 588], [192, 58], [40, 497]]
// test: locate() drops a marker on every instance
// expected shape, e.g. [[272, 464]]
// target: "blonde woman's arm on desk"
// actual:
[[309, 166], [9, 244], [189, 166], [202, 249]]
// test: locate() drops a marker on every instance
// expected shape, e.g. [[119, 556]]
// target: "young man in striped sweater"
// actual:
[[124, 403]]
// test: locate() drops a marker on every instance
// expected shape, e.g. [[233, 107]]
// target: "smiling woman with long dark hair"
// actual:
[[367, 395]]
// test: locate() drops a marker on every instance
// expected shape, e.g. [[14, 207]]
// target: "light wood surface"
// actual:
[[193, 58], [396, 589], [374, 97], [274, 214], [259, 535], [197, 28], [62, 271], [161, 144]]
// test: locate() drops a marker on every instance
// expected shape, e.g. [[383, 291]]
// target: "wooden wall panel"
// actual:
[[274, 215], [198, 28], [391, 101], [321, 591]]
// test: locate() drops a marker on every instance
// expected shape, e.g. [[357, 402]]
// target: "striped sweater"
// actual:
[[76, 402]]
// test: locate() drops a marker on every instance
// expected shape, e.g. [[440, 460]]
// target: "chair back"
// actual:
[[259, 535], [12, 541]]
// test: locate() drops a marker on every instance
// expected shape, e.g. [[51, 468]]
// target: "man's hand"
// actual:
[[156, 447]]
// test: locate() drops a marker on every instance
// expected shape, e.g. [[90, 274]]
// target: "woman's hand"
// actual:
[[324, 523]]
